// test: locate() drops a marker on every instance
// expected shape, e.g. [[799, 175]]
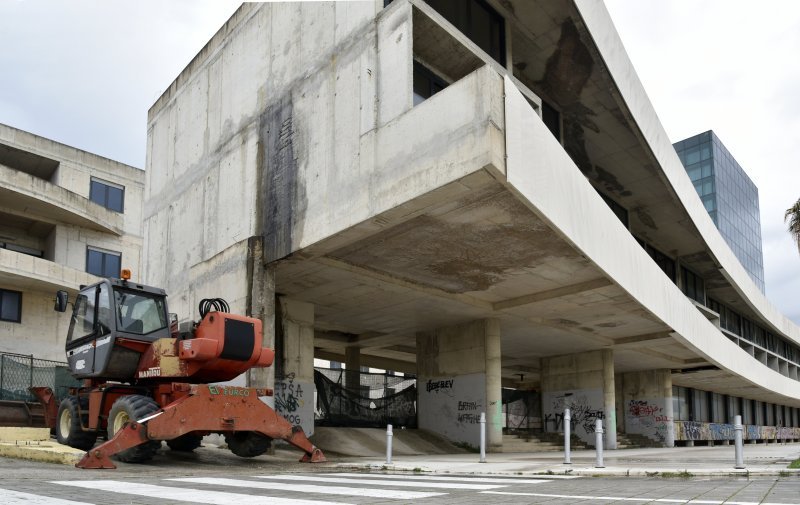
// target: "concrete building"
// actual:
[[66, 216], [477, 192], [729, 196]]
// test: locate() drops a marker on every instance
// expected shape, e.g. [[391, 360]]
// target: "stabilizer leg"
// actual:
[[131, 435]]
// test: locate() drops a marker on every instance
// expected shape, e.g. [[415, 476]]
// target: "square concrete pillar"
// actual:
[[294, 389], [647, 399], [583, 382], [458, 378], [352, 371]]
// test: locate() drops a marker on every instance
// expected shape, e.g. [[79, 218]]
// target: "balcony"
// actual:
[[34, 198], [24, 272]]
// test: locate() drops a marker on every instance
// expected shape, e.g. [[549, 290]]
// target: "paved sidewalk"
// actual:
[[771, 459]]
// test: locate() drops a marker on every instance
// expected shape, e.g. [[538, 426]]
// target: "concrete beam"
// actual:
[[637, 340], [551, 293], [377, 340], [370, 361]]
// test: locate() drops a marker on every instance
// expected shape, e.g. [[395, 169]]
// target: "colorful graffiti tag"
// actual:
[[692, 430]]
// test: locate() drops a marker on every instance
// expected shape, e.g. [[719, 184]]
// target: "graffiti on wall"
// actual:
[[586, 407], [452, 406], [693, 430], [292, 403], [648, 417]]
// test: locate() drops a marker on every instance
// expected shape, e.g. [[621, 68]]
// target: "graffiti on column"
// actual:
[[647, 417], [452, 406], [586, 407]]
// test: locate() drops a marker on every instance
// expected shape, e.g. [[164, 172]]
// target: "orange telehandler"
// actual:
[[146, 382]]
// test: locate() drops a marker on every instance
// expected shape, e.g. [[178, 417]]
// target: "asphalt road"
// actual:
[[173, 481]]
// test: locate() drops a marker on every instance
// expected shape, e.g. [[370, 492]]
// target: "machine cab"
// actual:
[[108, 318]]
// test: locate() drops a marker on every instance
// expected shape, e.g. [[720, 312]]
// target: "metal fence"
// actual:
[[18, 372], [375, 401]]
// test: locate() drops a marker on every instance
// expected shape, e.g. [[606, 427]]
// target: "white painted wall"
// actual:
[[452, 405]]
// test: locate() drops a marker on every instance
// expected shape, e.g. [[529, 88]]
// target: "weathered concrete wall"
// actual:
[[43, 331], [458, 378], [294, 387], [584, 383], [647, 401]]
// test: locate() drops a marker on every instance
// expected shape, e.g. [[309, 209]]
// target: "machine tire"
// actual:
[[185, 443], [132, 408], [68, 425], [248, 444]]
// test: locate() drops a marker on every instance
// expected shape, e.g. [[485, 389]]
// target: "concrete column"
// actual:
[[294, 390], [647, 397], [352, 363], [262, 306], [584, 383], [458, 378]]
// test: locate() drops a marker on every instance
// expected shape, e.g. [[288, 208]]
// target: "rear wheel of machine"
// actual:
[[127, 409], [248, 444], [185, 443], [68, 426]]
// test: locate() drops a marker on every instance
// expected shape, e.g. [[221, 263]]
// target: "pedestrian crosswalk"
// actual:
[[277, 489]]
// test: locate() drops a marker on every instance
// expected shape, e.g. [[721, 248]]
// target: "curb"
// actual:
[[45, 452]]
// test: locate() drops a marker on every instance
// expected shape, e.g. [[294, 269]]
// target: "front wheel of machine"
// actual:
[[132, 408], [185, 443], [247, 444], [68, 426]]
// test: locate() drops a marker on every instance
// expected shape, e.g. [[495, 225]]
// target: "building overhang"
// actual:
[[28, 196], [27, 273]]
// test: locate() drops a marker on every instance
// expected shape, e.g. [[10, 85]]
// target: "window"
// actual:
[[103, 263], [693, 286], [10, 306], [552, 119], [479, 22], [140, 313], [426, 83], [107, 194]]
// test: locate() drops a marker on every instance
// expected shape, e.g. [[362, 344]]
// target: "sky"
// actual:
[[85, 72]]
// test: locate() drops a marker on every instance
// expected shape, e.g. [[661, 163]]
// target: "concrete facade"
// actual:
[[48, 222], [518, 220]]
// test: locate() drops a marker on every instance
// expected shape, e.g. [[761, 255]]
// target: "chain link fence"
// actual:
[[18, 372], [375, 401]]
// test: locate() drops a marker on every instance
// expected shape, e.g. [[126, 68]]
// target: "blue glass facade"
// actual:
[[729, 196]]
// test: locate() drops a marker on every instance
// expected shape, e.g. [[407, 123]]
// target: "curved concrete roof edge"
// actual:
[[621, 70]]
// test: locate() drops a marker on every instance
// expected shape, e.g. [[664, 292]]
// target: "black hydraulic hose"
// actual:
[[218, 304]]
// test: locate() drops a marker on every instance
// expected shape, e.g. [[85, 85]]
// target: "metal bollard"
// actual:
[[483, 438], [738, 436], [598, 442], [567, 435], [389, 436]]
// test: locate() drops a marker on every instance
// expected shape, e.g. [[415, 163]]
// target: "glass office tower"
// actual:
[[730, 198]]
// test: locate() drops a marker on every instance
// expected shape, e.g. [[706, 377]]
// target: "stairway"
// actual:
[[635, 441], [539, 442]]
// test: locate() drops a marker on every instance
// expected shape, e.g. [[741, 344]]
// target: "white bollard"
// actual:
[[483, 437], [598, 441], [389, 436], [738, 436], [567, 435]]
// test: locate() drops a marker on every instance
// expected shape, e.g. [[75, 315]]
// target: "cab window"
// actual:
[[140, 313]]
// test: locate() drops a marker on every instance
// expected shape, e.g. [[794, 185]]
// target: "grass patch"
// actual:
[[794, 464], [417, 470], [677, 475]]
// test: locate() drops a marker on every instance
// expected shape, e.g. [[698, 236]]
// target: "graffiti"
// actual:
[[647, 417], [640, 408], [691, 430], [581, 414], [437, 385], [468, 405], [469, 418], [289, 399]]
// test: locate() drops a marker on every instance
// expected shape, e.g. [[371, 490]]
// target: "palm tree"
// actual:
[[792, 215]]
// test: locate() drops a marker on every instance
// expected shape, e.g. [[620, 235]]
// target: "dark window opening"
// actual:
[[552, 119], [102, 263], [10, 306], [693, 286], [110, 196], [664, 262], [38, 253], [426, 83], [479, 22], [618, 210]]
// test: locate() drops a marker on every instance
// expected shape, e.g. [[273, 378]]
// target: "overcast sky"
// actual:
[[84, 72]]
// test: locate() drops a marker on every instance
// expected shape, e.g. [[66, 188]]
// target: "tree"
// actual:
[[792, 215]]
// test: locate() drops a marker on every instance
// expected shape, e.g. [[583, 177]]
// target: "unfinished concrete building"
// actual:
[[476, 192]]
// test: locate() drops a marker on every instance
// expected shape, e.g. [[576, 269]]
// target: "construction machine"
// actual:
[[146, 381]]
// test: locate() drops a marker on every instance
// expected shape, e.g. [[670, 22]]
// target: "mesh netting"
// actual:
[[377, 399], [522, 409], [19, 372]]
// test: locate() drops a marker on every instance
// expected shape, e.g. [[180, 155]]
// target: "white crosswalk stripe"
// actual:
[[187, 494], [371, 482], [9, 497], [449, 478], [310, 488]]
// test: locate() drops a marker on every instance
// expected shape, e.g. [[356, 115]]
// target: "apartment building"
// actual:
[[67, 217]]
